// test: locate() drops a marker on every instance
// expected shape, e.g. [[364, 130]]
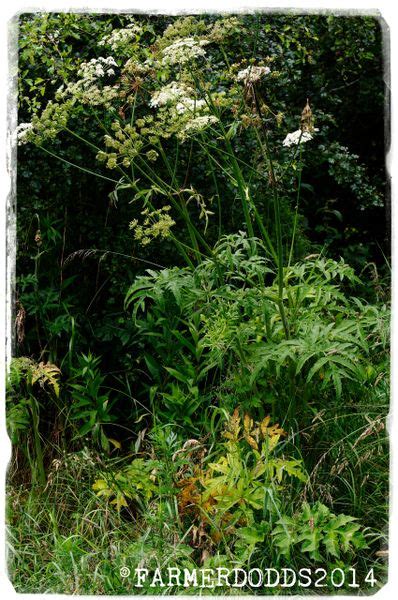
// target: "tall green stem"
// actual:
[[296, 211], [242, 187], [277, 212], [183, 205]]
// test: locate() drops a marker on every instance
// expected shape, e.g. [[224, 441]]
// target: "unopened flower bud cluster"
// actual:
[[123, 147], [157, 224]]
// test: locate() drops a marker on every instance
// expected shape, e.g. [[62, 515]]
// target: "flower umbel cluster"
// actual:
[[125, 146], [196, 125], [120, 39], [224, 28], [22, 133], [252, 74], [306, 131], [296, 137], [90, 88], [183, 51], [177, 94], [47, 126], [96, 68], [180, 112], [170, 94], [157, 224]]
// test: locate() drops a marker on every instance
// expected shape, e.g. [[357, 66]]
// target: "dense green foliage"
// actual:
[[201, 370]]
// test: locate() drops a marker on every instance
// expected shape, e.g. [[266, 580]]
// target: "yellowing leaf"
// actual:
[[119, 501], [115, 443], [46, 373], [247, 423], [99, 484], [251, 441], [264, 425]]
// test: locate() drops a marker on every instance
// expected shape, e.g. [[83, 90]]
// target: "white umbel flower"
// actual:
[[96, 68], [196, 125], [178, 95], [22, 133], [91, 88], [190, 104], [183, 51], [297, 137], [252, 74], [120, 38], [169, 94]]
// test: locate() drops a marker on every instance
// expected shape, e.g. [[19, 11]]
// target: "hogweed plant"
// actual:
[[163, 107], [239, 419]]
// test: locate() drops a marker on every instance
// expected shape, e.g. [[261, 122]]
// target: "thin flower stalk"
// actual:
[[278, 225], [296, 208]]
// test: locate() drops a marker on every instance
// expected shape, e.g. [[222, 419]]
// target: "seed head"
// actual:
[[307, 119]]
